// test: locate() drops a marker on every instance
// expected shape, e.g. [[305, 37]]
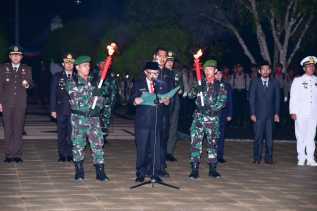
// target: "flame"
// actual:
[[111, 48], [198, 54]]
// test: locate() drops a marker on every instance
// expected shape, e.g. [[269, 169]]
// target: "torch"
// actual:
[[197, 66], [107, 62]]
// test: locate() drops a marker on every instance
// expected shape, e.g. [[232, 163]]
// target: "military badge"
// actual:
[[7, 79], [7, 69], [305, 85], [23, 72]]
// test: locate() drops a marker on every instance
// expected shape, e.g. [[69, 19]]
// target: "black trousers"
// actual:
[[164, 138], [241, 110], [221, 139], [148, 146], [13, 119], [263, 133], [64, 142]]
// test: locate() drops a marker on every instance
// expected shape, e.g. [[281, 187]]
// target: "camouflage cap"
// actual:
[[82, 59], [210, 63]]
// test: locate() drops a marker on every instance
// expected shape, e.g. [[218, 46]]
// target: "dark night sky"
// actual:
[[35, 15]]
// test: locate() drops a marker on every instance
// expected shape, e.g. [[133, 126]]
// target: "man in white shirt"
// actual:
[[303, 108]]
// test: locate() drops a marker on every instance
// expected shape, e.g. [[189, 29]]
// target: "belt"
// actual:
[[85, 113]]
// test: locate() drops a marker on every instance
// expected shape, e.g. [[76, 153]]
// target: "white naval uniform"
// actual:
[[303, 103]]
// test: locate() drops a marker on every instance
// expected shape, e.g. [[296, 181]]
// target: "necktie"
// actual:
[[15, 69], [151, 87], [68, 76], [265, 84]]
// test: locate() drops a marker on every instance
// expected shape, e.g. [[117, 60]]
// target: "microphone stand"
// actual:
[[153, 179]]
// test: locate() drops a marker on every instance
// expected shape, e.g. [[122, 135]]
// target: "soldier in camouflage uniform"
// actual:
[[85, 120], [109, 91], [206, 119]]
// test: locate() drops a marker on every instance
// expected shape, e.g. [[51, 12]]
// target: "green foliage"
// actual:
[[74, 37], [141, 49], [121, 34]]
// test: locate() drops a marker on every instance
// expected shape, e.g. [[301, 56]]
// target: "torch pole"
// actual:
[[198, 76]]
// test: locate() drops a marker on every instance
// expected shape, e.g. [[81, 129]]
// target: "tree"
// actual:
[[279, 26], [74, 37], [141, 48]]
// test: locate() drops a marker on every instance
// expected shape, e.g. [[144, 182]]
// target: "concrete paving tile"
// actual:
[[41, 183]]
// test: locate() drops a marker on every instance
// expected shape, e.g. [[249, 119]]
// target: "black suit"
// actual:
[[264, 104], [59, 103], [146, 132]]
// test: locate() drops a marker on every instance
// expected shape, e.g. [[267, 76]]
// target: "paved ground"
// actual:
[[41, 183]]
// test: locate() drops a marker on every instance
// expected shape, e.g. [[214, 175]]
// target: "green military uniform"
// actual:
[[85, 121], [109, 91], [206, 120]]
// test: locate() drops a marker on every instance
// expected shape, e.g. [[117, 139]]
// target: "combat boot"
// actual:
[[213, 171], [100, 173], [195, 171], [79, 170]]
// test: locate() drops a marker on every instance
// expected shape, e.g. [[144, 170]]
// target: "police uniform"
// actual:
[[303, 103], [175, 81], [168, 77], [206, 122], [85, 122], [15, 79], [59, 103]]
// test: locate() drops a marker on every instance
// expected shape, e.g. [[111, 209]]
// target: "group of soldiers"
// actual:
[[74, 91]]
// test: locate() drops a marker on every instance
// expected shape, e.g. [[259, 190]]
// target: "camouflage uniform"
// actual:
[[85, 121], [206, 120], [109, 91]]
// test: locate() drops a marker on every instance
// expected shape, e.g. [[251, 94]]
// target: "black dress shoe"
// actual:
[[221, 160], [69, 158], [170, 157], [61, 159], [256, 162], [139, 179], [8, 160], [18, 160], [269, 162], [156, 179], [164, 173]]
